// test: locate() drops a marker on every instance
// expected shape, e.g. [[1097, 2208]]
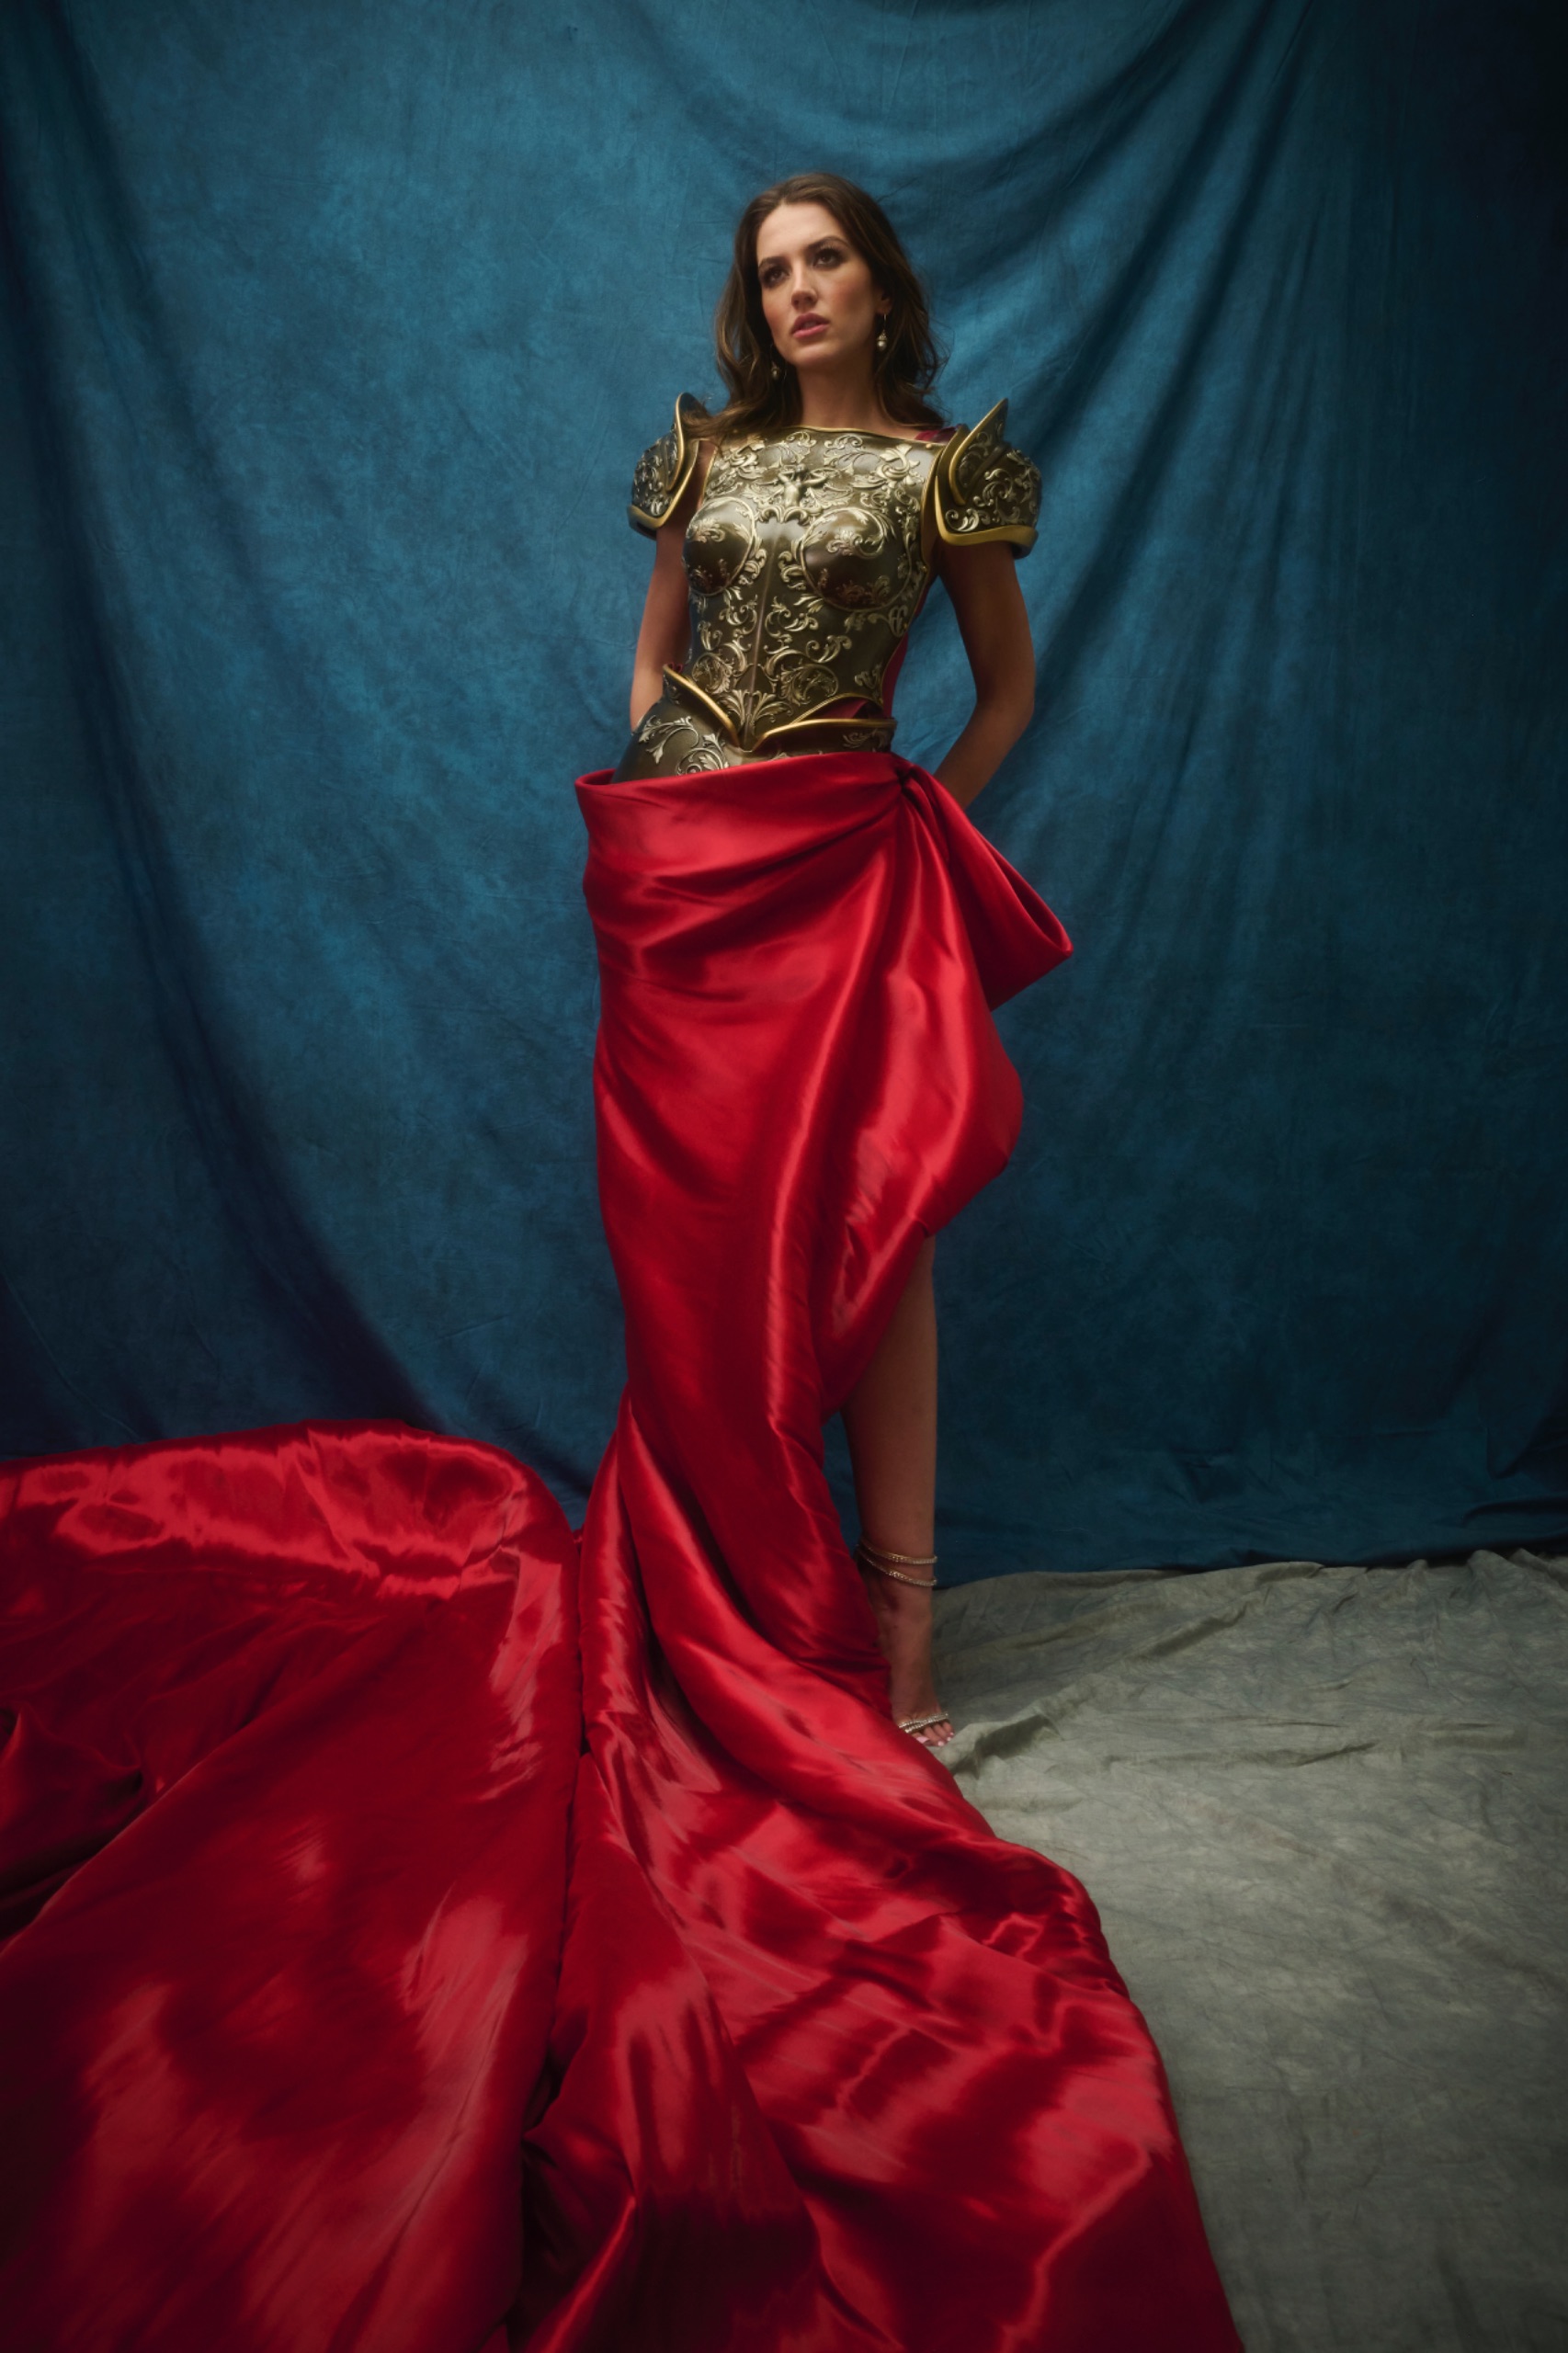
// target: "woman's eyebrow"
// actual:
[[766, 261]]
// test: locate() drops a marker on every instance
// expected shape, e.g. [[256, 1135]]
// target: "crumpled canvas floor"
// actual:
[[1320, 1811]]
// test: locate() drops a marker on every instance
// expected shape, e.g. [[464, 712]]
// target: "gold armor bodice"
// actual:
[[807, 557]]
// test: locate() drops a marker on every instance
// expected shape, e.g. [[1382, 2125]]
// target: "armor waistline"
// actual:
[[688, 730]]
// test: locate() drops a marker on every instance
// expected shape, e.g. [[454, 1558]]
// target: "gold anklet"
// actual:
[[904, 1560], [875, 1557]]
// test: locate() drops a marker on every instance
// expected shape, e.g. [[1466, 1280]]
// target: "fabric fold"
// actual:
[[424, 1924]]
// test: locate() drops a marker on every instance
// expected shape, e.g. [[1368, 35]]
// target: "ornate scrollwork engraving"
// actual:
[[719, 539], [985, 488], [806, 571], [807, 557], [665, 469]]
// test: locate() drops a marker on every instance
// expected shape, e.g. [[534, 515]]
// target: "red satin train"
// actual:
[[427, 1933]]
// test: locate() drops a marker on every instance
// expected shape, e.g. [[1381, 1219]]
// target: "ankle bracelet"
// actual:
[[873, 1557], [903, 1560]]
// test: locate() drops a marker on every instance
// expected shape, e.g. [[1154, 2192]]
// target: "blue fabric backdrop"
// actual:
[[333, 334]]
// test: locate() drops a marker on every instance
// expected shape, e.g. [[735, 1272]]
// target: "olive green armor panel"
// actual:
[[807, 557]]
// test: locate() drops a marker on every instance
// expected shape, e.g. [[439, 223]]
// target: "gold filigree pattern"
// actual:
[[986, 489], [808, 558], [806, 571], [665, 469]]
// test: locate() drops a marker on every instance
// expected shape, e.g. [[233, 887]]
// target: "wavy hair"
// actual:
[[764, 393]]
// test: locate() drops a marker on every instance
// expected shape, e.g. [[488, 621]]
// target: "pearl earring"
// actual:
[[882, 336]]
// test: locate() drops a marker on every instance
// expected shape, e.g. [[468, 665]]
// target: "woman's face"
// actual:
[[819, 298]]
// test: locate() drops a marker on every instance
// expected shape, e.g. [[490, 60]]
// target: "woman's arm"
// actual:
[[994, 625], [666, 634]]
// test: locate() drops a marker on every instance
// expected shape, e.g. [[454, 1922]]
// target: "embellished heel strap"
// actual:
[[872, 1556]]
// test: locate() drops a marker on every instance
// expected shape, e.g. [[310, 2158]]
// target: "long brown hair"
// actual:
[[763, 401]]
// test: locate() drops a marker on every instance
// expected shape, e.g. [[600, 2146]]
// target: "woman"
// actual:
[[799, 1082], [796, 536], [422, 1935]]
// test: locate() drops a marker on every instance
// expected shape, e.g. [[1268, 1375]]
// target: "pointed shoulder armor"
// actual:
[[665, 469], [984, 489]]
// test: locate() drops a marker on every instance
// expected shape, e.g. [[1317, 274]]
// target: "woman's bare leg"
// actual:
[[891, 1421]]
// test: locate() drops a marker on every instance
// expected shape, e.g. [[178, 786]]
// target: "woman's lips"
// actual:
[[808, 330]]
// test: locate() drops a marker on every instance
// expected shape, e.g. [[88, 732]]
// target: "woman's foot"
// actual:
[[902, 1613]]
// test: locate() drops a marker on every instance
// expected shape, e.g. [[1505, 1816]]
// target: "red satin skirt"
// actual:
[[425, 1935]]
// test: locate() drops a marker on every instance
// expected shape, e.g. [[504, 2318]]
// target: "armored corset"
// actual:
[[808, 558]]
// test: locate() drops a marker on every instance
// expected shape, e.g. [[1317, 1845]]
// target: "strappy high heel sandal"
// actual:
[[922, 1723], [897, 1566]]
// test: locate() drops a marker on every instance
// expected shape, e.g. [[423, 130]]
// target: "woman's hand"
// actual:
[[994, 625], [664, 639]]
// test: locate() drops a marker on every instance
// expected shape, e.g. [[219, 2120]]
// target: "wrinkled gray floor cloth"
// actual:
[[1321, 1812]]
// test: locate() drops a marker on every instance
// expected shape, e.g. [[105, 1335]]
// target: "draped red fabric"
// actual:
[[425, 1937], [283, 1836]]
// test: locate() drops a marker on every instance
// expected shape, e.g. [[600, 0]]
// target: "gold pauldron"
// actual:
[[665, 469], [981, 488]]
